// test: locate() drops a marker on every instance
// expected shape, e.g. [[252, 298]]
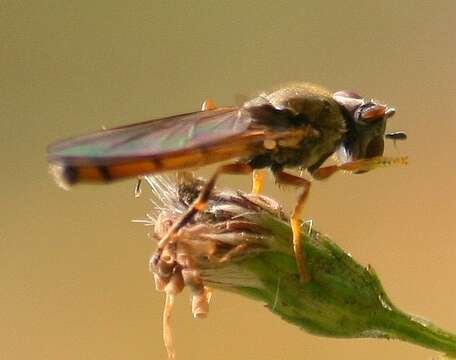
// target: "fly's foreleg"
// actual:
[[359, 166], [201, 202], [295, 220]]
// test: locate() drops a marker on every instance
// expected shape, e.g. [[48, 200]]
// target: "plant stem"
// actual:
[[343, 298], [417, 331]]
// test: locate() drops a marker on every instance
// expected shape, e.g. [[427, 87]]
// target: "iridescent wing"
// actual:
[[171, 143]]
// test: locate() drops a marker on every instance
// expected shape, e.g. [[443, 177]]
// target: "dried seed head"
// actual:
[[206, 249], [227, 230]]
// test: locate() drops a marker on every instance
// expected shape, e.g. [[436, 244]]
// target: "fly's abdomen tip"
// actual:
[[65, 176]]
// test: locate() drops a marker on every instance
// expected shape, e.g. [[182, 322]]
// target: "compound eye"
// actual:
[[370, 112]]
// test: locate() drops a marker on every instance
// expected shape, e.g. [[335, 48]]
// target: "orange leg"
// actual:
[[257, 181], [208, 104], [295, 220], [201, 202], [359, 166]]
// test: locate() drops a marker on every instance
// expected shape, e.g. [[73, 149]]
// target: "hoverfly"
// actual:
[[298, 126]]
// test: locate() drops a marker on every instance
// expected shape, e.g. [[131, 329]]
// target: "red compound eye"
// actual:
[[372, 112]]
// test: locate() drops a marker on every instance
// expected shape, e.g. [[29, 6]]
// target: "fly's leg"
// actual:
[[257, 181], [208, 104], [295, 220], [201, 202], [361, 165], [138, 187]]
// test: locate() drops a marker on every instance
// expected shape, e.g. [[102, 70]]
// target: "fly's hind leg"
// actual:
[[295, 220], [201, 202]]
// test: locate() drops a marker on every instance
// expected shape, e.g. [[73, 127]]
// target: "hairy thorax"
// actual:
[[295, 108]]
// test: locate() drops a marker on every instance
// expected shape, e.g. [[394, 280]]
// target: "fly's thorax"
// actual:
[[298, 105], [294, 108], [280, 98], [310, 101]]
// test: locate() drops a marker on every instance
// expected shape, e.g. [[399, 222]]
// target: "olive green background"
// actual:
[[73, 268]]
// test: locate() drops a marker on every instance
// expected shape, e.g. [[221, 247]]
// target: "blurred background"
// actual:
[[73, 268]]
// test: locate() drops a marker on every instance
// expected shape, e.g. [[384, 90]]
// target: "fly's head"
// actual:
[[366, 125]]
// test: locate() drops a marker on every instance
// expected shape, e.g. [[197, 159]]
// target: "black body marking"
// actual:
[[70, 174], [104, 172]]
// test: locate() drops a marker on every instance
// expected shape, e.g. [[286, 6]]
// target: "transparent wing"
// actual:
[[177, 142], [151, 138]]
